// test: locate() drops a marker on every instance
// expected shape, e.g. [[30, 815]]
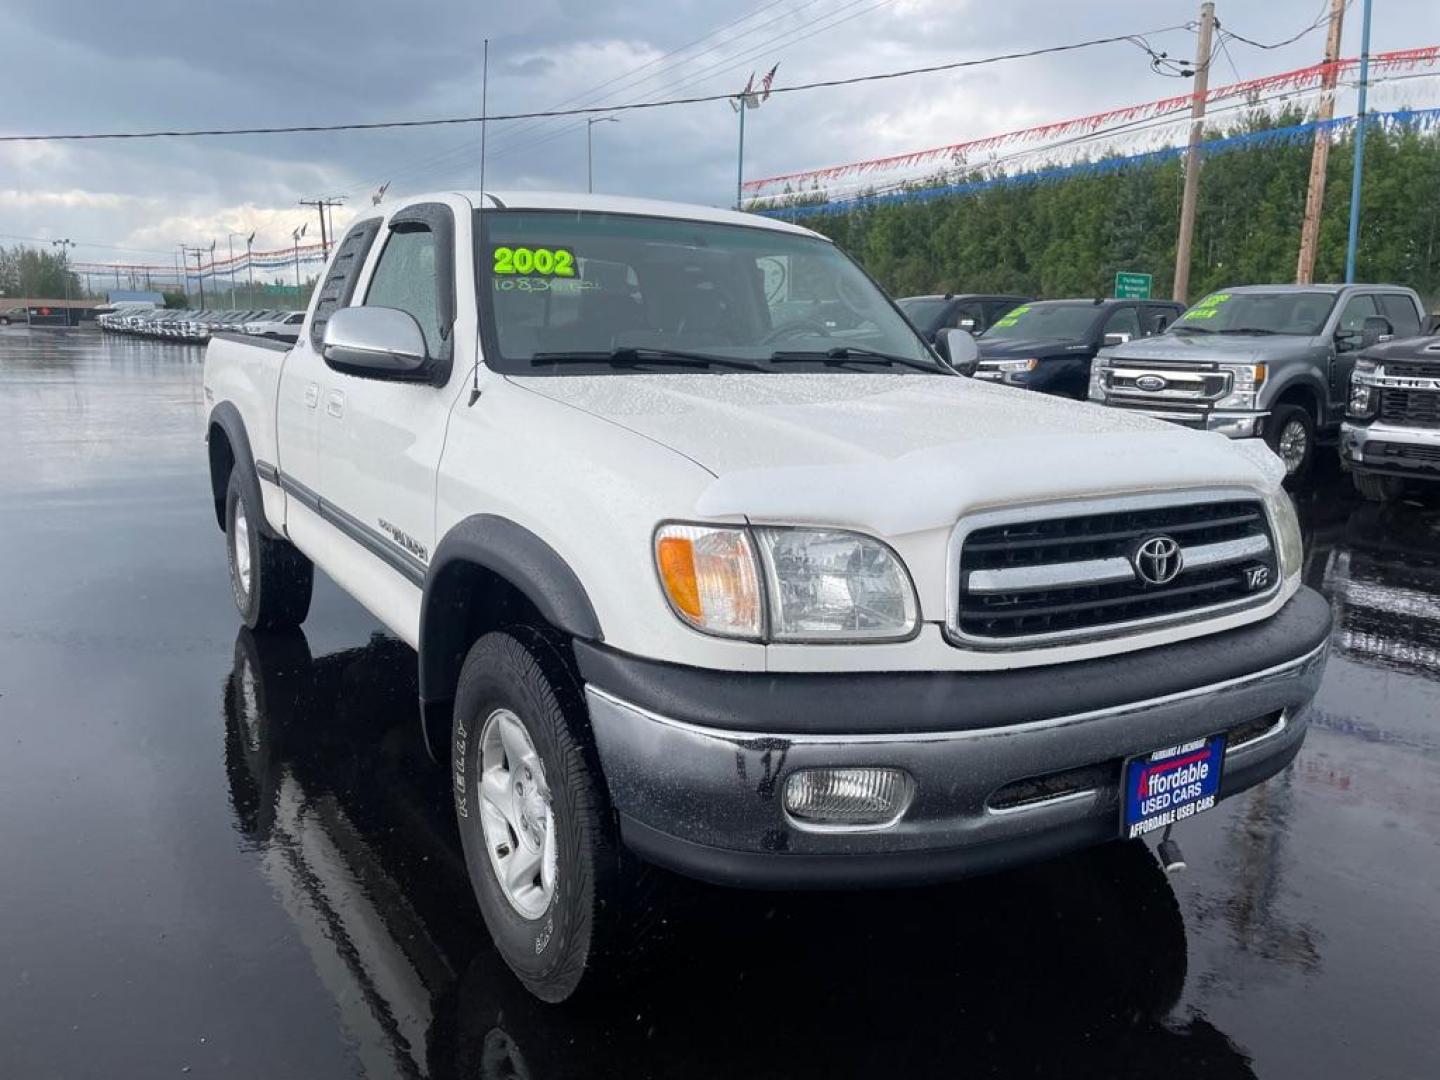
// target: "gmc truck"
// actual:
[[1261, 361], [696, 579]]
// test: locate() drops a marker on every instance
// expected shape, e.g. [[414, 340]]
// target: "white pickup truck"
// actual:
[[700, 572]]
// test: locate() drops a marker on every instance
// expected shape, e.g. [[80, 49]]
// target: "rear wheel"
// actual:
[[1378, 489], [1291, 434], [272, 582]]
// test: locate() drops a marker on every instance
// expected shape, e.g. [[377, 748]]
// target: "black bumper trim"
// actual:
[[855, 703]]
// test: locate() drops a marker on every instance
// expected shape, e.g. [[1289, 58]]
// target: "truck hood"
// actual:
[[1215, 348], [899, 453], [990, 350]]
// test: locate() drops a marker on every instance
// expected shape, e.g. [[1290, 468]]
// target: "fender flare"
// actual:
[[227, 418], [515, 554], [1314, 385]]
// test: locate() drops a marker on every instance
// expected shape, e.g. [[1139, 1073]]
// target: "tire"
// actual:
[[1289, 423], [559, 924], [1378, 489], [269, 578]]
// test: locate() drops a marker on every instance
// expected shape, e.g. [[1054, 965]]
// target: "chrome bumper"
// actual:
[[1356, 442], [707, 802]]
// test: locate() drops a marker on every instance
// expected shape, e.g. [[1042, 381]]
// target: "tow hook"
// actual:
[[1171, 857]]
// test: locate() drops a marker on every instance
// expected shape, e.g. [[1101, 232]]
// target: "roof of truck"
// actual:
[[622, 204], [1321, 288]]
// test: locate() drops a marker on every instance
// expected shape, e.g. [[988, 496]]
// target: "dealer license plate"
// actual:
[[1170, 785]]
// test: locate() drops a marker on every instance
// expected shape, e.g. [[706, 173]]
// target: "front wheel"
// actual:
[[1378, 489], [539, 846], [1291, 434], [272, 582]]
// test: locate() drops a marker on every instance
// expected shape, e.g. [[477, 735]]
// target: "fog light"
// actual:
[[848, 797]]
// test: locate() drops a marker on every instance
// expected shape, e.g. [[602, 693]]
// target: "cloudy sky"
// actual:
[[89, 65]]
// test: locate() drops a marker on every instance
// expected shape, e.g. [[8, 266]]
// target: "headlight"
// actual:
[[1012, 366], [710, 578], [818, 584], [1288, 541], [834, 586], [1097, 379], [1245, 383], [1363, 394]]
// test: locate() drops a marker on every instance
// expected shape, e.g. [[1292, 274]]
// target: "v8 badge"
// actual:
[[1256, 577]]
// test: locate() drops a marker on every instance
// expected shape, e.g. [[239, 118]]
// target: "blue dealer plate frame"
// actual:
[[1169, 786]]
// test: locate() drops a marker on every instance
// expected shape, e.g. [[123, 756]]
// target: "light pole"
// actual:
[[296, 235], [1357, 175], [590, 147], [230, 243], [250, 268], [64, 246]]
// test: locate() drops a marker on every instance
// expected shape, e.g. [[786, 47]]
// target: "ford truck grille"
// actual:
[[1184, 391], [1414, 408], [1079, 575]]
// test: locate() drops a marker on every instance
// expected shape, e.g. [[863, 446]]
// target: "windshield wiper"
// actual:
[[635, 355], [1191, 330], [854, 354], [1248, 330]]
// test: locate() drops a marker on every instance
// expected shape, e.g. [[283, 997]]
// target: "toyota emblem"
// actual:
[[1157, 560], [1151, 383]]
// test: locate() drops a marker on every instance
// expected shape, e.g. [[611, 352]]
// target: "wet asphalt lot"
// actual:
[[226, 855]]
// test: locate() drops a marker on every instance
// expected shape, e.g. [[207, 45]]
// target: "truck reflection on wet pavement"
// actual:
[[227, 853]]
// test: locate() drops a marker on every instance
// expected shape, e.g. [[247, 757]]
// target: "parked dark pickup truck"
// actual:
[[1391, 433], [975, 312], [1048, 345]]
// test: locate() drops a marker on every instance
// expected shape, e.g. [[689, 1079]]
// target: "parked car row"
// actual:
[[198, 326], [1259, 361]]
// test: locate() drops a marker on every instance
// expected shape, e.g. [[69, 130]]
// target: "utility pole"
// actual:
[[1359, 174], [330, 204], [1192, 157], [1320, 154], [199, 253], [319, 205]]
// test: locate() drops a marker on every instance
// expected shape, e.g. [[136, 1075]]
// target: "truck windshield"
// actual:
[[1300, 313], [1064, 320], [567, 292]]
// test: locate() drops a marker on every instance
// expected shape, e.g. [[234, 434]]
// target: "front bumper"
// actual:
[[696, 766], [1391, 450], [1234, 425]]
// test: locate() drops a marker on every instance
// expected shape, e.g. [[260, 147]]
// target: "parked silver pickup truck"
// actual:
[[1267, 361]]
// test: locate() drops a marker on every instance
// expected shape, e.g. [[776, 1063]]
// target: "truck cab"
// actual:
[[1258, 361], [1047, 345], [971, 312]]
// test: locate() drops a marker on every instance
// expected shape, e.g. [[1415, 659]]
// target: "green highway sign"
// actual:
[[1131, 286]]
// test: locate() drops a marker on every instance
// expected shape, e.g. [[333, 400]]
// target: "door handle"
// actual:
[[335, 404], [312, 395]]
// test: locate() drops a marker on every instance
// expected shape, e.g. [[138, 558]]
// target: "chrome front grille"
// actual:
[[1139, 384], [1413, 408], [1057, 573]]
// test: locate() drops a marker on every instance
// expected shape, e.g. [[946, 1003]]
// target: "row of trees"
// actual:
[[28, 271], [1069, 237]]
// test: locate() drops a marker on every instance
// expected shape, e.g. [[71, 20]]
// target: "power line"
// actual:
[[1136, 40], [1320, 20]]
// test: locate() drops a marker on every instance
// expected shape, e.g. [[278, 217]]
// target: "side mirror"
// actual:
[[1374, 330], [1159, 324], [959, 350], [375, 342], [1116, 339]]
